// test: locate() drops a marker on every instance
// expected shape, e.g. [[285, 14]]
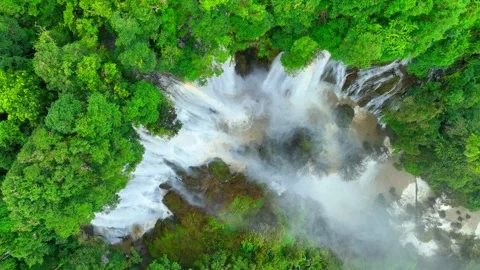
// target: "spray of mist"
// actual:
[[327, 189]]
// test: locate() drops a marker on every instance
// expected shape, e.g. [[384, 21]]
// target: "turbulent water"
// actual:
[[250, 122]]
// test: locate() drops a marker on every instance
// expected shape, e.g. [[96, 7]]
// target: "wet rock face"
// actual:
[[343, 115], [228, 199], [242, 65], [378, 87], [214, 185], [247, 60]]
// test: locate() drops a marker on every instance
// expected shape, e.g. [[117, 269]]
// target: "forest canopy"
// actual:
[[437, 127], [71, 90]]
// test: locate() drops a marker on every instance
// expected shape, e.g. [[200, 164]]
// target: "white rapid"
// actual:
[[249, 123]]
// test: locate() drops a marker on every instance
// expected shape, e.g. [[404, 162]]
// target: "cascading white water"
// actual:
[[221, 118], [231, 112], [233, 117]]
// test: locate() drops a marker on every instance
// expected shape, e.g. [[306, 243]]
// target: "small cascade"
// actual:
[[374, 87]]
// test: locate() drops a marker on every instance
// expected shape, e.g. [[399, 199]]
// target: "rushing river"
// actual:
[[344, 167]]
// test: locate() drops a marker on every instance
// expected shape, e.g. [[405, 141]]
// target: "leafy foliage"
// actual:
[[303, 51], [15, 43], [223, 238], [70, 91], [143, 107], [21, 108], [62, 115], [59, 166], [437, 126], [191, 38]]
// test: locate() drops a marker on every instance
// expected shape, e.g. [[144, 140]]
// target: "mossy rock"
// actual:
[[219, 169], [192, 231], [176, 168], [184, 236], [240, 211], [177, 204], [218, 186], [387, 86], [244, 210], [165, 186]]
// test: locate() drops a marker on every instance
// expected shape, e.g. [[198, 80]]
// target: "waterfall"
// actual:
[[233, 117]]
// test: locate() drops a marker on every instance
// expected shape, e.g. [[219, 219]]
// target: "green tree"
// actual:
[[21, 108], [143, 107], [63, 114], [163, 263], [472, 152], [15, 44], [20, 96], [437, 131], [58, 182], [303, 51]]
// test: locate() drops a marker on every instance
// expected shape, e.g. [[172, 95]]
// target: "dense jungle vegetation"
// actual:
[[71, 93], [438, 127]]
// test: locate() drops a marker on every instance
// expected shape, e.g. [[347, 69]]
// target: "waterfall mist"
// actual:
[[281, 130]]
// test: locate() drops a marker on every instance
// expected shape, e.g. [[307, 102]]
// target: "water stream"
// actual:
[[249, 121]]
